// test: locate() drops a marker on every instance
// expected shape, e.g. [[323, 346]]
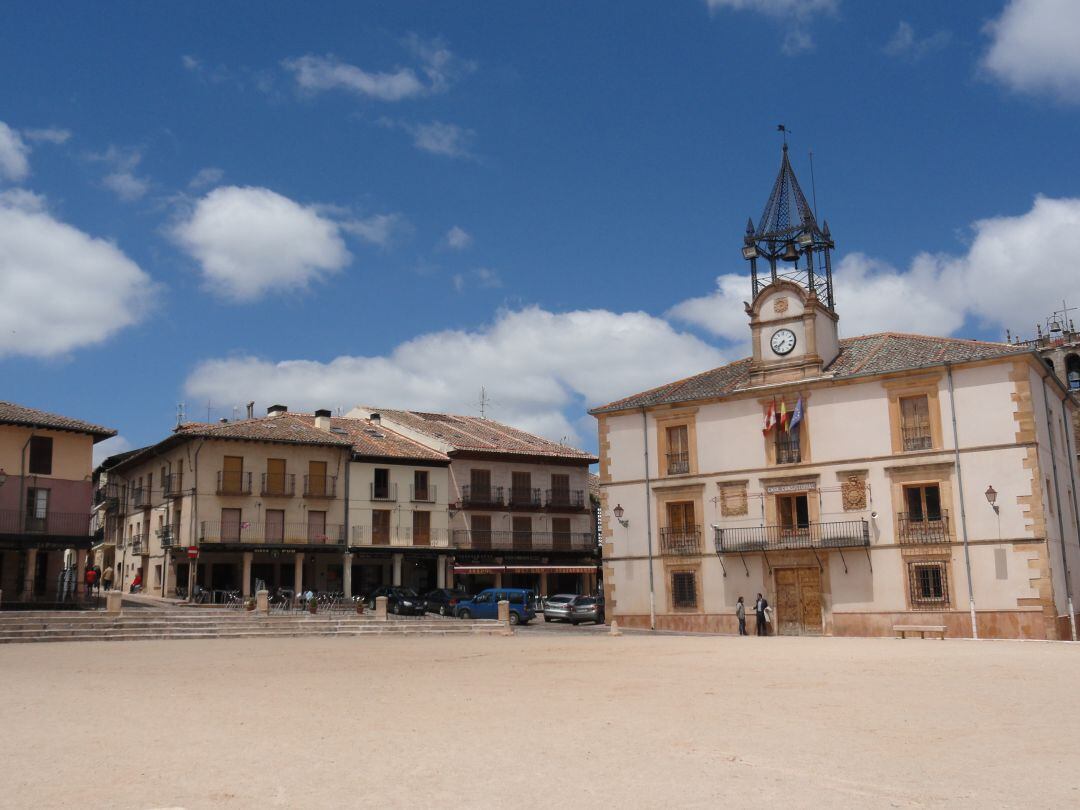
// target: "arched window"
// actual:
[[1072, 371], [1050, 363]]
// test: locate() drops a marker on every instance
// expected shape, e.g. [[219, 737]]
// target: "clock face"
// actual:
[[782, 341]]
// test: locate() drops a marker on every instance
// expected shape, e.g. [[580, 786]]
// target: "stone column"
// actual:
[[543, 583], [31, 565], [298, 574], [346, 574], [380, 608], [192, 574], [80, 572], [396, 580], [245, 577], [440, 571]]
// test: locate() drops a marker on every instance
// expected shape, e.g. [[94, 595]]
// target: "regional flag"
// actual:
[[770, 417], [796, 416]]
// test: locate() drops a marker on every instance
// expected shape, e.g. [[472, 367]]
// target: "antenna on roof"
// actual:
[[235, 412], [207, 410], [179, 413], [484, 401]]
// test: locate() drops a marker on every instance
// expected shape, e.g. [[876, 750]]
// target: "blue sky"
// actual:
[[398, 203]]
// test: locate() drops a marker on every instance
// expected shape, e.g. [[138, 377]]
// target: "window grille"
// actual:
[[684, 589], [929, 585], [915, 423]]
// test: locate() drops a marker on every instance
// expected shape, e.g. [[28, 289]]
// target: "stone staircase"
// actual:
[[149, 624]]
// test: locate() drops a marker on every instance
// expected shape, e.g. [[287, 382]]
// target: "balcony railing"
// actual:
[[678, 463], [173, 485], [263, 534], [788, 450], [679, 541], [140, 498], [139, 544], [917, 530], [383, 492], [231, 482], [564, 499], [320, 486], [60, 524], [525, 498], [916, 437], [834, 534], [483, 497], [278, 485], [400, 536], [523, 541], [423, 494], [107, 495], [167, 536]]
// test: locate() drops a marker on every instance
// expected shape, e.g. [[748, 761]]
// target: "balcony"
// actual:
[[835, 534], [140, 544], [269, 534], [916, 437], [564, 500], [921, 530], [172, 485], [680, 541], [481, 497], [231, 482], [382, 492], [524, 498], [108, 496], [422, 495], [401, 536], [788, 450], [167, 536], [320, 486], [140, 498], [678, 463], [278, 485], [524, 541], [56, 524]]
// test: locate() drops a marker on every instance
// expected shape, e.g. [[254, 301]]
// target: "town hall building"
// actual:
[[860, 484]]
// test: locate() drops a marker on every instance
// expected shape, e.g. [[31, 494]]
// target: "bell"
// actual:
[[790, 253]]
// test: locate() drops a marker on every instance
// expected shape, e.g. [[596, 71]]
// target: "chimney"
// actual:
[[376, 418], [251, 410], [277, 410], [322, 419]]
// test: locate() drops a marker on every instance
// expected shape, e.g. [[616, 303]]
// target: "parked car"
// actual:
[[485, 605], [586, 609], [400, 601], [557, 607], [444, 601]]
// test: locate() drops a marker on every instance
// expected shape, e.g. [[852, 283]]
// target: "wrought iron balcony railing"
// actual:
[[60, 524], [140, 498], [278, 485], [214, 531], [678, 463], [173, 485], [107, 495], [320, 486], [834, 534], [400, 536], [481, 496], [916, 437], [231, 482], [525, 498], [523, 541], [167, 536], [140, 544], [919, 529], [680, 541], [423, 494], [383, 492], [788, 450], [565, 499]]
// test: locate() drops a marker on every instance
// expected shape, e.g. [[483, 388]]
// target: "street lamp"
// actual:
[[991, 498], [618, 511]]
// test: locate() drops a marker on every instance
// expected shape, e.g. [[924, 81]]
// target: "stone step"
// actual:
[[265, 633]]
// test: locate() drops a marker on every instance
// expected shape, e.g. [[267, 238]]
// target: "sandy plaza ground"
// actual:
[[540, 720]]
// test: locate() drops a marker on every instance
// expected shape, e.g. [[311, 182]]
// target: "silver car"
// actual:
[[557, 607]]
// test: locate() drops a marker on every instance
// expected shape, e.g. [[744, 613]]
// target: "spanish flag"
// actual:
[[783, 415]]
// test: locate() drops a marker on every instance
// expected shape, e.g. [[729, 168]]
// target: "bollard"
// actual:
[[262, 602], [113, 602], [380, 608], [504, 617], [614, 631]]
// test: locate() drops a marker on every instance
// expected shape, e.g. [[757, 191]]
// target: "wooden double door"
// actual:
[[798, 601]]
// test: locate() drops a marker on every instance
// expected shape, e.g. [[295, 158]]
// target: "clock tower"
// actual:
[[792, 313]]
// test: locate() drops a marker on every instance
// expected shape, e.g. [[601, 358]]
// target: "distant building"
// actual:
[[1059, 345]]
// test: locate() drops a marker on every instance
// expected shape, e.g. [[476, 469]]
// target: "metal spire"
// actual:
[[787, 210]]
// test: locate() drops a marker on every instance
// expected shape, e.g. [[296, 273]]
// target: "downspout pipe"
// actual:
[[963, 507], [648, 518], [1060, 518], [1069, 452]]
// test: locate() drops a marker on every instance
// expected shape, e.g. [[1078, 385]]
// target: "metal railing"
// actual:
[[920, 529], [833, 534], [423, 495], [399, 536], [108, 494], [173, 485], [565, 499], [167, 535], [679, 541], [916, 437], [523, 541], [525, 497], [788, 450], [278, 485], [678, 463], [214, 531], [62, 524], [481, 496], [231, 482], [140, 544], [383, 492], [320, 486], [140, 498]]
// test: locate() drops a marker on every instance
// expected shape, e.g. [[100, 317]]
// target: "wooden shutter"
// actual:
[[421, 528]]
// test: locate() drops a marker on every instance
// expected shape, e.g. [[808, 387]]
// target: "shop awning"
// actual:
[[526, 569]]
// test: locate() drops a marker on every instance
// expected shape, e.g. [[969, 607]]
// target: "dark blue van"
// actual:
[[485, 605]]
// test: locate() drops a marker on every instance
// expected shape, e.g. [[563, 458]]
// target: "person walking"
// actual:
[[89, 578], [760, 606], [740, 614], [106, 577], [97, 578]]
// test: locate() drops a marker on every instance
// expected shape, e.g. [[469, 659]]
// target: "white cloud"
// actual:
[[440, 138], [457, 238], [483, 277], [1010, 277], [53, 135], [775, 8], [905, 44], [251, 241], [797, 41], [61, 288], [110, 447], [206, 177], [14, 155], [378, 229], [123, 179], [535, 365], [1033, 47]]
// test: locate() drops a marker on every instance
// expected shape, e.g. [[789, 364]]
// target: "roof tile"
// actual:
[[12, 414]]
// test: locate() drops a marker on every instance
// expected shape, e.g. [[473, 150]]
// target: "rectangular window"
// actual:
[[41, 450], [522, 533], [929, 585], [681, 535], [793, 512], [678, 455], [380, 527], [787, 446], [275, 476], [37, 510], [317, 483], [915, 423], [421, 528], [521, 493], [232, 475], [923, 502], [924, 521], [683, 589], [561, 539], [481, 531], [420, 486], [230, 525], [381, 489], [316, 526], [480, 486]]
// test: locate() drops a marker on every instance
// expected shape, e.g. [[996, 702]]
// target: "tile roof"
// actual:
[[881, 353], [289, 428], [370, 439], [472, 433], [12, 414]]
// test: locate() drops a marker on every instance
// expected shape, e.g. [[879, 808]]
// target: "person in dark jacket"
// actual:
[[760, 606], [740, 614]]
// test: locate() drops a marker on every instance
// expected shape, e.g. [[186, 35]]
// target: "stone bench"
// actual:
[[901, 630]]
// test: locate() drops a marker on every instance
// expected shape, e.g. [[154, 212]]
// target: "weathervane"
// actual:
[[785, 130]]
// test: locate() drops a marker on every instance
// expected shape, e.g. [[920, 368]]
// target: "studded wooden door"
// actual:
[[798, 601]]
